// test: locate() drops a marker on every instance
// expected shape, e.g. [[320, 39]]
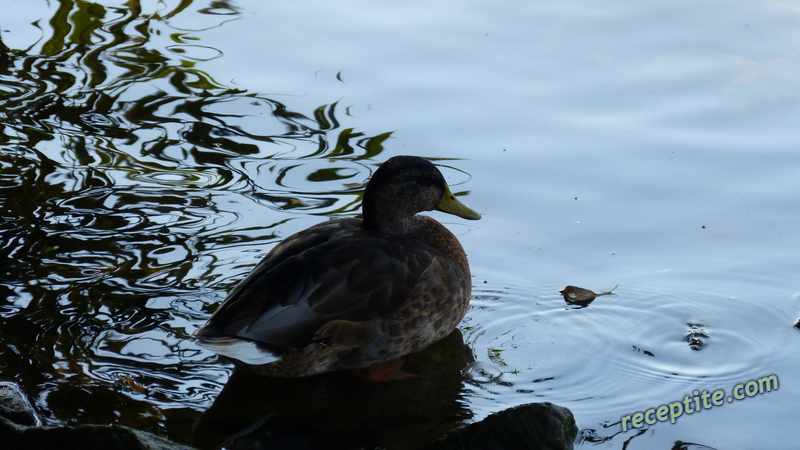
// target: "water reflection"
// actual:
[[338, 410], [129, 176]]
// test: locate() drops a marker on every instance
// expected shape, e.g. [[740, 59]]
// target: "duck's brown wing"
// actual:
[[332, 271]]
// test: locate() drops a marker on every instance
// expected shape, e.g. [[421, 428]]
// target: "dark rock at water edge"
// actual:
[[85, 437], [534, 426], [14, 406], [18, 430]]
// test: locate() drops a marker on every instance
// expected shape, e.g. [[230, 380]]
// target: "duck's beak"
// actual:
[[451, 205]]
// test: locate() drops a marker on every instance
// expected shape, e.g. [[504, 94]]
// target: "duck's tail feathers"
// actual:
[[246, 351]]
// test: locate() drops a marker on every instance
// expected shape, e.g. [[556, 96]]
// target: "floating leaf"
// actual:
[[574, 294], [132, 384]]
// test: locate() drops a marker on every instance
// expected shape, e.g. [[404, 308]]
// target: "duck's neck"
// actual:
[[392, 224], [396, 218]]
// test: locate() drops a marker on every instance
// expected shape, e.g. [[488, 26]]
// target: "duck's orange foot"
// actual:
[[384, 372]]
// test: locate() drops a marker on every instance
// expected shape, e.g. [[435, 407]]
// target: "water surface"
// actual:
[[151, 153]]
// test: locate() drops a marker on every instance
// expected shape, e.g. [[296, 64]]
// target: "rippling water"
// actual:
[[126, 173], [151, 153]]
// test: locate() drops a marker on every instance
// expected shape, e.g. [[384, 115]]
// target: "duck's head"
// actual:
[[404, 186]]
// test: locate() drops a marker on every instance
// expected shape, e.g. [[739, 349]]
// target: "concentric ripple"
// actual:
[[631, 347]]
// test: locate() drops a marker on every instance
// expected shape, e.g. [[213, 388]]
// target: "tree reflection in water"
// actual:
[[126, 173]]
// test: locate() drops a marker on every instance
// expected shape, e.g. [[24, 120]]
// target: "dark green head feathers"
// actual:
[[404, 186]]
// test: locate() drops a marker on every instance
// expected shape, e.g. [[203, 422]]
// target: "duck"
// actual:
[[352, 293]]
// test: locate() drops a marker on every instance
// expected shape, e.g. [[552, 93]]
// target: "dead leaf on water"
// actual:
[[574, 294], [132, 384]]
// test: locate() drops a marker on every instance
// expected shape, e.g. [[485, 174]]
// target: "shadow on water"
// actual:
[[120, 161], [338, 410]]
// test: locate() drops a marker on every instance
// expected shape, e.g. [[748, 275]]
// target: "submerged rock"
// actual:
[[534, 426]]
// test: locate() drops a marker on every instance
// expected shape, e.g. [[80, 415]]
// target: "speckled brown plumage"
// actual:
[[349, 293]]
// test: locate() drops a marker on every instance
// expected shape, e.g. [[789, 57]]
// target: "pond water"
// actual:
[[152, 152]]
